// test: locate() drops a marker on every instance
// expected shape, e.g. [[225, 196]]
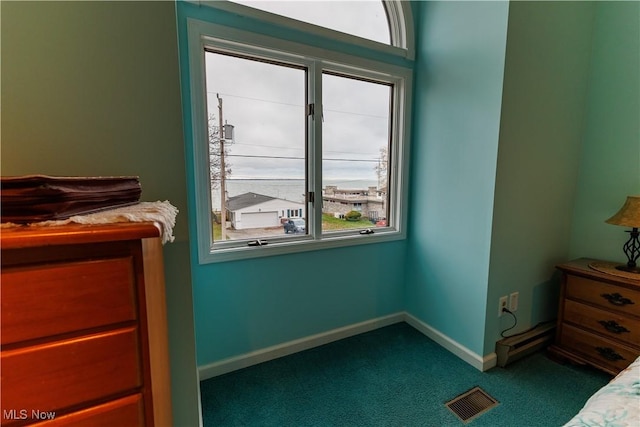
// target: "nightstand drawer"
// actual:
[[52, 376], [50, 299], [600, 350], [605, 295], [615, 325]]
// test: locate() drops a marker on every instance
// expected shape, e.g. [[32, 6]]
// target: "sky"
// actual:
[[265, 102], [363, 18]]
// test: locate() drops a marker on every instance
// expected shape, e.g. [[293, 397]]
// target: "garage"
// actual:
[[252, 210], [258, 220]]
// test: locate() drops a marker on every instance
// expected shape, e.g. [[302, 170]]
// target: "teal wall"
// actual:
[[543, 116], [247, 305], [244, 306], [92, 88], [459, 78], [610, 156], [493, 212]]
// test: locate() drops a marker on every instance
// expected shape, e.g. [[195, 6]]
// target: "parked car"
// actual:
[[294, 226]]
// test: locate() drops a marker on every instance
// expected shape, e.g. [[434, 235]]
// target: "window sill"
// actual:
[[236, 253]]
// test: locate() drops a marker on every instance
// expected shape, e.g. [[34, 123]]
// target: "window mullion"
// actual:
[[315, 148]]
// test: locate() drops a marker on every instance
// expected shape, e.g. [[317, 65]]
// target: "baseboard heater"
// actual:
[[518, 346]]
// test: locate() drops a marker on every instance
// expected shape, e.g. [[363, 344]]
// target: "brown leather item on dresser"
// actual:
[[35, 198]]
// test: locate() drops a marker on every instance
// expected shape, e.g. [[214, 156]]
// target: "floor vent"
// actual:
[[471, 404]]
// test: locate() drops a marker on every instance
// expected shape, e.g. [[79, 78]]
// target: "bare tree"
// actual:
[[214, 154], [381, 167]]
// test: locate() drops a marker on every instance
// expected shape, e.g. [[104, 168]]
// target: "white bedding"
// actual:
[[617, 404]]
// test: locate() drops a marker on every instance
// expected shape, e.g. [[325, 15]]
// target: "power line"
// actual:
[[296, 158], [260, 99], [294, 148], [269, 146], [280, 184], [357, 114], [300, 105], [264, 179]]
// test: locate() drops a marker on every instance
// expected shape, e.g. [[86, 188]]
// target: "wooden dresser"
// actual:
[[598, 319], [83, 326]]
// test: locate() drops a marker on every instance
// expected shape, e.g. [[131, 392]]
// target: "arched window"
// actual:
[[387, 22], [366, 19], [291, 117]]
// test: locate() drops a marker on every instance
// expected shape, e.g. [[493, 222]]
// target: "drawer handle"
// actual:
[[617, 299], [613, 326], [609, 354]]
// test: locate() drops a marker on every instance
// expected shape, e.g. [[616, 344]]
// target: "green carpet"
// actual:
[[393, 376]]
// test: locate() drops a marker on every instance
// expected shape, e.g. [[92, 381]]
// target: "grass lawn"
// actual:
[[217, 232], [329, 222]]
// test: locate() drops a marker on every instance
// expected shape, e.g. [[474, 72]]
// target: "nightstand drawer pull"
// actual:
[[617, 299], [613, 326], [609, 354]]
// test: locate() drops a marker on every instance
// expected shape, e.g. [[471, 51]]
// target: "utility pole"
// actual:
[[223, 198]]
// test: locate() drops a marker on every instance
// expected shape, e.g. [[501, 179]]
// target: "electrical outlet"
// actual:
[[502, 303], [513, 301]]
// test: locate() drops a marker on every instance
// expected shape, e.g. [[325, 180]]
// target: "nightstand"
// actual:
[[598, 317]]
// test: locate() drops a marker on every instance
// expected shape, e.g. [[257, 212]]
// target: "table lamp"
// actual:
[[629, 216]]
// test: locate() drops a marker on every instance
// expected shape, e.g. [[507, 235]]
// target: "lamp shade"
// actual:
[[629, 214]]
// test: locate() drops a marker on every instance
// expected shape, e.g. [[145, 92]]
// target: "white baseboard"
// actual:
[[481, 363], [253, 358], [263, 355]]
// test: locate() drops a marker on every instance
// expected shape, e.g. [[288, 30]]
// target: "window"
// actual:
[[295, 147], [372, 22], [260, 170], [355, 139]]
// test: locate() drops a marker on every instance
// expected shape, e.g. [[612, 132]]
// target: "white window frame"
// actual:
[[398, 12], [204, 34]]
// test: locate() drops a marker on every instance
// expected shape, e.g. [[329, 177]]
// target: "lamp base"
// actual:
[[632, 251], [628, 269]]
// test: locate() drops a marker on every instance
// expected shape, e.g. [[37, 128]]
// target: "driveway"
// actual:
[[254, 233]]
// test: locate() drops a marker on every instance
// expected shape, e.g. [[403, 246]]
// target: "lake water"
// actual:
[[289, 189]]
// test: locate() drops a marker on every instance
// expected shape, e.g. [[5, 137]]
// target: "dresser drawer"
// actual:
[[125, 412], [51, 376], [50, 299], [603, 294], [615, 325], [600, 350]]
